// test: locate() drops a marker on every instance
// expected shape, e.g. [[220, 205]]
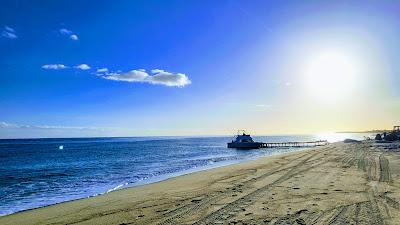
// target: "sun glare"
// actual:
[[330, 75]]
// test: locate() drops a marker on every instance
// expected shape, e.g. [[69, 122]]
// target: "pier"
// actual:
[[244, 141], [294, 144]]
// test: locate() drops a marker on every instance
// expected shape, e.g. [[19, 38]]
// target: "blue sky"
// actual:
[[187, 67]]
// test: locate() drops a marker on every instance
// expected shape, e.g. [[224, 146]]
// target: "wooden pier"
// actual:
[[294, 144]]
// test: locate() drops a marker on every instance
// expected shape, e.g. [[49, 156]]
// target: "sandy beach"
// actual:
[[335, 184]]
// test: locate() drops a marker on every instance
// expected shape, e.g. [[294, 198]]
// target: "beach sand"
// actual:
[[335, 184]]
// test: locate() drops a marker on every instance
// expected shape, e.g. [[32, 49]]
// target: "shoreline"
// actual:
[[338, 183], [165, 177]]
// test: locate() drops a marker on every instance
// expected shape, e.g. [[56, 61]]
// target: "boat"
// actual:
[[243, 141]]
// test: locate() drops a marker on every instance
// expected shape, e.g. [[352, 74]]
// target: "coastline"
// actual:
[[150, 181], [269, 188], [167, 177], [123, 173]]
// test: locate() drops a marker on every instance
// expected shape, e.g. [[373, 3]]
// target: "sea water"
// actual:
[[37, 172]]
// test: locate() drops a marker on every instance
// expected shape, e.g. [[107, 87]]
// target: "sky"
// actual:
[[139, 68]]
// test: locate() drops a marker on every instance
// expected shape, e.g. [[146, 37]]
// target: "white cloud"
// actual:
[[288, 84], [54, 66], [9, 33], [61, 66], [5, 125], [69, 33], [83, 67], [158, 76], [157, 71], [169, 79], [131, 76], [102, 70], [74, 37], [65, 31]]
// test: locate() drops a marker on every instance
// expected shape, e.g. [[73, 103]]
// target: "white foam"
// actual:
[[117, 187]]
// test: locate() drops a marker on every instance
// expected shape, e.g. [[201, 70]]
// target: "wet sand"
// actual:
[[335, 184]]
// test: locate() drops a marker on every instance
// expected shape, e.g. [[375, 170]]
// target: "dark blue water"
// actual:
[[35, 172]]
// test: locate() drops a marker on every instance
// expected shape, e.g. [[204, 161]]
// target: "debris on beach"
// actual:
[[391, 136], [351, 141]]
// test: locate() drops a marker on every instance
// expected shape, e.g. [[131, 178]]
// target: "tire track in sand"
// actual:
[[231, 209], [187, 210]]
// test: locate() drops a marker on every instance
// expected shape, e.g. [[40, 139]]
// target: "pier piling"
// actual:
[[294, 144]]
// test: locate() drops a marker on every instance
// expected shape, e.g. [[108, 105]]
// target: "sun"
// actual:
[[331, 75]]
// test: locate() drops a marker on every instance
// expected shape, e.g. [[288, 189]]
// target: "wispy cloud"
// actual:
[[69, 33], [54, 66], [5, 125], [62, 66], [102, 70], [65, 31], [9, 29], [83, 66], [262, 107], [157, 76], [9, 33]]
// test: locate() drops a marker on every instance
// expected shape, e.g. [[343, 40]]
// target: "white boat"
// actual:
[[243, 141]]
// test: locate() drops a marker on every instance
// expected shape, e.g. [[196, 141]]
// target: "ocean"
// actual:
[[37, 172]]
